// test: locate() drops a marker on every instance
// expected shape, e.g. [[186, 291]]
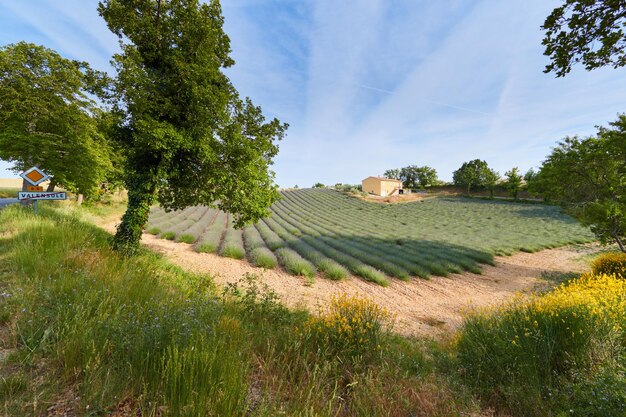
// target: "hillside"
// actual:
[[325, 231]]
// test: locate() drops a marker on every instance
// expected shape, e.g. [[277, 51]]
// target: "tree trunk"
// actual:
[[619, 243], [51, 185], [25, 188], [141, 194], [469, 186], [491, 193]]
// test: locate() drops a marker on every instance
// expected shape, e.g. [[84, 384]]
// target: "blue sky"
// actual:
[[368, 85]]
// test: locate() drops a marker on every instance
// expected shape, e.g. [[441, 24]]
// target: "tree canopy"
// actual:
[[472, 174], [49, 118], [413, 176], [587, 31], [588, 177], [189, 137], [514, 181]]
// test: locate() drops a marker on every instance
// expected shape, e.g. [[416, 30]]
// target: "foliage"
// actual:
[[49, 117], [392, 173], [610, 264], [319, 185], [188, 136], [117, 328], [528, 357], [413, 176], [588, 177], [513, 181], [491, 180], [353, 327], [585, 31], [472, 174]]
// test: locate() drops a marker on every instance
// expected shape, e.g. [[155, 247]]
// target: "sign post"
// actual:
[[36, 176]]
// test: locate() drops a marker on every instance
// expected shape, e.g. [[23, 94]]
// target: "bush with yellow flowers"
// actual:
[[352, 326], [613, 263], [532, 356]]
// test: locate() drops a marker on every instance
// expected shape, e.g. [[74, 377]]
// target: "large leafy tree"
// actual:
[[471, 174], [392, 173], [414, 176], [587, 31], [188, 136], [48, 117], [588, 177]]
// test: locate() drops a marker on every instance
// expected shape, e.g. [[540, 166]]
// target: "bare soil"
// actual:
[[430, 307]]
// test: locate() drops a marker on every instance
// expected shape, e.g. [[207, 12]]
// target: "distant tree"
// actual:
[[587, 31], [491, 180], [529, 179], [513, 181], [414, 176], [471, 174], [189, 138], [48, 117], [319, 185], [392, 173], [588, 178]]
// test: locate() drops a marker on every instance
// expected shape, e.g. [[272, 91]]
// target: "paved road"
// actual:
[[7, 201]]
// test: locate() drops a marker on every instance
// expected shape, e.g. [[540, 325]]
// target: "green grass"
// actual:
[[186, 238], [9, 192], [101, 332], [263, 257], [168, 235]]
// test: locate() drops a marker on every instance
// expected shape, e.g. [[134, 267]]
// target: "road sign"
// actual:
[[34, 188], [37, 195], [35, 176]]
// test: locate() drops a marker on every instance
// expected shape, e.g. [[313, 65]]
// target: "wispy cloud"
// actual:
[[373, 84]]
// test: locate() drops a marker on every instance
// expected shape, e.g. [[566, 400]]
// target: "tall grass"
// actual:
[[551, 354], [123, 327]]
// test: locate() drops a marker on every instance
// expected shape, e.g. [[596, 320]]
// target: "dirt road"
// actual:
[[422, 307]]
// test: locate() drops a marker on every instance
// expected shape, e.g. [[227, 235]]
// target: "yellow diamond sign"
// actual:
[[35, 176]]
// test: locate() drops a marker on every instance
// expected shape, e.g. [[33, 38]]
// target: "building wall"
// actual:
[[379, 187], [371, 185]]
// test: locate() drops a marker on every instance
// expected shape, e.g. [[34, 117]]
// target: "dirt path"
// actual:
[[422, 307]]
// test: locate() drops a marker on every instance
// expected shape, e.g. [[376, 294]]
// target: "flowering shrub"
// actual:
[[613, 263], [352, 326], [530, 353]]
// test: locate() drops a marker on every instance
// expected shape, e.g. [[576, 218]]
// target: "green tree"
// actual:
[[491, 180], [189, 138], [319, 185], [471, 174], [48, 117], [588, 177], [513, 181], [392, 173], [587, 31], [414, 176]]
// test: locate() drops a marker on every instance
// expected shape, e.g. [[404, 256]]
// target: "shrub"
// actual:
[[294, 263], [154, 230], [232, 246], [186, 238], [613, 263], [525, 356], [168, 235], [353, 327], [263, 257]]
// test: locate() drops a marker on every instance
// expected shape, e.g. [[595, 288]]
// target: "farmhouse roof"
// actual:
[[383, 179]]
